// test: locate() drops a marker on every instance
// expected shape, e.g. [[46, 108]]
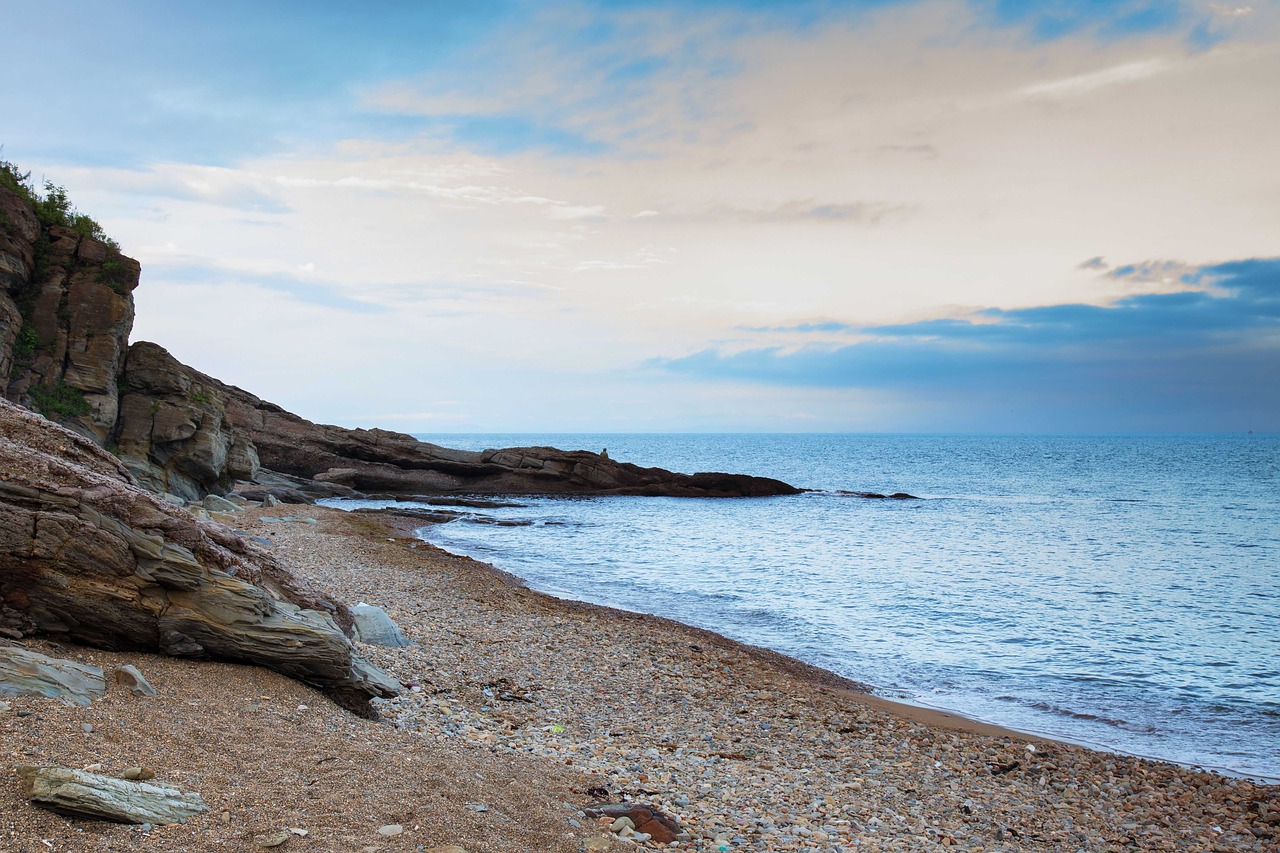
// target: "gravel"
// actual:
[[522, 709]]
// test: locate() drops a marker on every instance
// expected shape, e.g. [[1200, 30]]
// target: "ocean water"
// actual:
[[1121, 592]]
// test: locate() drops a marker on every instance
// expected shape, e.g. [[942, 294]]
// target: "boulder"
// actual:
[[79, 793], [375, 627], [87, 556], [172, 431], [24, 672]]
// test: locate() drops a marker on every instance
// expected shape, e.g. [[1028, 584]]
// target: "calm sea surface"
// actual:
[[1122, 592]]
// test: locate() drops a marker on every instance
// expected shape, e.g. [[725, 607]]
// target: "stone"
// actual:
[[4, 706], [270, 500], [138, 774], [375, 627], [24, 672], [87, 556], [214, 503], [272, 839], [131, 679], [391, 830], [78, 793]]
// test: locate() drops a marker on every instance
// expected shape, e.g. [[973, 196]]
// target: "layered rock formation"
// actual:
[[66, 311], [377, 460], [88, 556], [173, 433]]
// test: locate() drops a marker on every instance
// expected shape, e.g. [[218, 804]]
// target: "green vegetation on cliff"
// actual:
[[53, 207]]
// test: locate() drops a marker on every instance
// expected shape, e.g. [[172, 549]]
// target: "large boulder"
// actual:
[[86, 555], [172, 433]]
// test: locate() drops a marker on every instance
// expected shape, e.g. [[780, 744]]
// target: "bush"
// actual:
[[53, 207], [59, 402]]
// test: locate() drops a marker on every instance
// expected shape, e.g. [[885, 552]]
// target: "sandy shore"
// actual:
[[523, 709]]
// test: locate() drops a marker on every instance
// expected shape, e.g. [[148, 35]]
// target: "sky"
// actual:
[[711, 215]]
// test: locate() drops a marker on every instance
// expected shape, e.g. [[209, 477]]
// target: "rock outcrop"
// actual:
[[88, 556], [66, 311], [172, 432], [376, 460]]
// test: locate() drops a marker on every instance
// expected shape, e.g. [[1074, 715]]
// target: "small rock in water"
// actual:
[[391, 829]]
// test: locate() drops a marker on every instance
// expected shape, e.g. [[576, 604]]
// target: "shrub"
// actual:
[[60, 401], [53, 207]]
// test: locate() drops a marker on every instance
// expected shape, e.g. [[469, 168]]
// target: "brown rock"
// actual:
[[88, 556]]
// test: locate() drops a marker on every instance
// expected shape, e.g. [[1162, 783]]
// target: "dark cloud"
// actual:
[[1189, 359]]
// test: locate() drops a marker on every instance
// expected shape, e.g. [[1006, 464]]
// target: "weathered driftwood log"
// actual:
[[79, 793], [26, 672]]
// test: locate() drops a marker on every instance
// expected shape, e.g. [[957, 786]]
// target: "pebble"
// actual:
[[744, 754], [391, 830]]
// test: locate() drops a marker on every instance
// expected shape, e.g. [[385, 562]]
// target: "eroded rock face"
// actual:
[[173, 433], [88, 556], [66, 311]]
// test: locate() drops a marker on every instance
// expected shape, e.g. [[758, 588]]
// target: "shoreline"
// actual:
[[521, 710], [408, 526], [818, 676]]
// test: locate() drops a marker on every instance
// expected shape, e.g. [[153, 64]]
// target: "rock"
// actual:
[[398, 464], [214, 503], [172, 430], [138, 774], [91, 795], [270, 500], [622, 823], [273, 839], [391, 830], [649, 820], [78, 312], [4, 706], [448, 848], [24, 672], [341, 476], [374, 626], [87, 556], [130, 678]]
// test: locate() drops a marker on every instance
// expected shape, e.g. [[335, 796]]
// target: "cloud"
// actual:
[[1083, 84], [1176, 352], [808, 210], [301, 287]]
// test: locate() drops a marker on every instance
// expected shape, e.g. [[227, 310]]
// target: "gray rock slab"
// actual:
[[375, 627], [79, 793], [24, 672]]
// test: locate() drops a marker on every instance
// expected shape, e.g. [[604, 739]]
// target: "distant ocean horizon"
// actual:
[[1120, 591]]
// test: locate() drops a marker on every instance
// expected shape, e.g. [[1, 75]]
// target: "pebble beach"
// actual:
[[522, 712]]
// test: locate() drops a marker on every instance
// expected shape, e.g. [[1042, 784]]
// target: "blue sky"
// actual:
[[987, 215]]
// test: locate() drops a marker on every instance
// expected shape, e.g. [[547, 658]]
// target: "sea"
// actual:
[[1121, 591]]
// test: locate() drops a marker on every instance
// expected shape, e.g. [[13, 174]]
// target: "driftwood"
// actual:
[[79, 793]]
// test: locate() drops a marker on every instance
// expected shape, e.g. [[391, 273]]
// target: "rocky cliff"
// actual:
[[66, 311]]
